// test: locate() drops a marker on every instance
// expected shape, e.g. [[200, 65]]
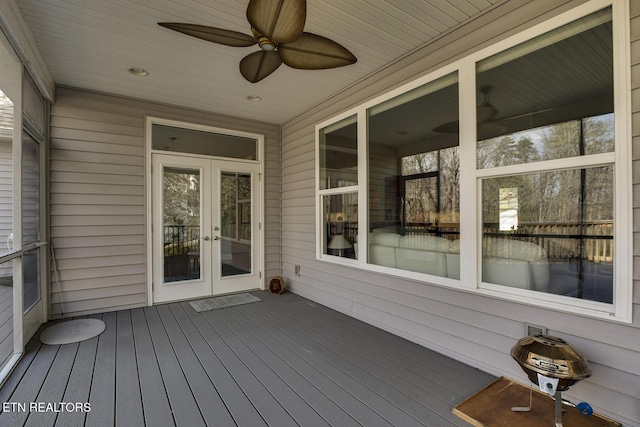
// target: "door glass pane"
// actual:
[[31, 279], [421, 204], [30, 189], [181, 218], [235, 215], [6, 311]]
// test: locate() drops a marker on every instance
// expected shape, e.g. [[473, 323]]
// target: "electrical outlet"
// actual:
[[532, 330], [297, 270]]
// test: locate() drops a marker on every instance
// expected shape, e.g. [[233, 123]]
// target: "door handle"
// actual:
[[207, 238], [216, 238]]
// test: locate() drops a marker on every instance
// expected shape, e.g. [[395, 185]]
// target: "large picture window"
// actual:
[[555, 96], [520, 192], [413, 170]]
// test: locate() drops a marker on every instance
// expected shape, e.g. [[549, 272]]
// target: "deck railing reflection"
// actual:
[[181, 239], [592, 241]]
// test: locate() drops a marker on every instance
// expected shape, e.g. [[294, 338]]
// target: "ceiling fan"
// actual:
[[277, 27]]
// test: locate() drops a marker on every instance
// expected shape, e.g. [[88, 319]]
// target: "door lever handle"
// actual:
[[207, 238], [216, 238]]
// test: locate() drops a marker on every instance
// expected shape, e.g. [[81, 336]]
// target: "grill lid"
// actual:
[[551, 357]]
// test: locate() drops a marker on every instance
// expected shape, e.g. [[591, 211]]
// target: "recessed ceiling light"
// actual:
[[140, 72], [254, 98]]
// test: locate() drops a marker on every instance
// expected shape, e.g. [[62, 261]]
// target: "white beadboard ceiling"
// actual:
[[90, 44]]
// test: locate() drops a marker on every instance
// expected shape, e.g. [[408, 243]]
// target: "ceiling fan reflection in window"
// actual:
[[277, 27], [488, 122], [484, 113]]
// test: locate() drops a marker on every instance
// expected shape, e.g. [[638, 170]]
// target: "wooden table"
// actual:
[[491, 407]]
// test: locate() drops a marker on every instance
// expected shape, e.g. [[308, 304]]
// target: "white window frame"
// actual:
[[471, 177], [320, 194]]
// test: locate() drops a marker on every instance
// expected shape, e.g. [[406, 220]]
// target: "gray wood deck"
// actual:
[[6, 323], [285, 361]]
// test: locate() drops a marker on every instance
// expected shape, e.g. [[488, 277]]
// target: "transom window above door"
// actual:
[[195, 141]]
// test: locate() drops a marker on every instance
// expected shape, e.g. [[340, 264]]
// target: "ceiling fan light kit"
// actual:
[[277, 26], [139, 72]]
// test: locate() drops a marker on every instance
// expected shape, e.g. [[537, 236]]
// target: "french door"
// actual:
[[205, 227]]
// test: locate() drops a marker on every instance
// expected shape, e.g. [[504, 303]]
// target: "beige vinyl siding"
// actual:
[[98, 202], [471, 328]]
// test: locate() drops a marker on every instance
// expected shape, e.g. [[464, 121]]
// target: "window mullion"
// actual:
[[592, 160], [363, 187], [468, 194], [623, 275]]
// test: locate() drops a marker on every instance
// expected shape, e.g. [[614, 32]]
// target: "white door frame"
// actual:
[[260, 188]]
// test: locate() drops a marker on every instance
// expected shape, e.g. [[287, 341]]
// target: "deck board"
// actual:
[[30, 384], [397, 406], [9, 386], [266, 404], [347, 341], [236, 401], [185, 409], [285, 361], [464, 378], [155, 402], [324, 375], [103, 385], [128, 396], [54, 385], [298, 409], [204, 392], [304, 387], [80, 381], [6, 323]]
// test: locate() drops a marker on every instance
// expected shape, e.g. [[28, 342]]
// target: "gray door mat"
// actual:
[[72, 331], [223, 301]]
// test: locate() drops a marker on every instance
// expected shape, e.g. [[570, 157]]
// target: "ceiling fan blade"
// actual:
[[530, 113], [484, 128], [281, 21], [212, 34], [449, 127], [258, 65], [314, 52]]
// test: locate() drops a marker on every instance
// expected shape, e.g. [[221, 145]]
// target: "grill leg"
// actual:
[[558, 408]]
